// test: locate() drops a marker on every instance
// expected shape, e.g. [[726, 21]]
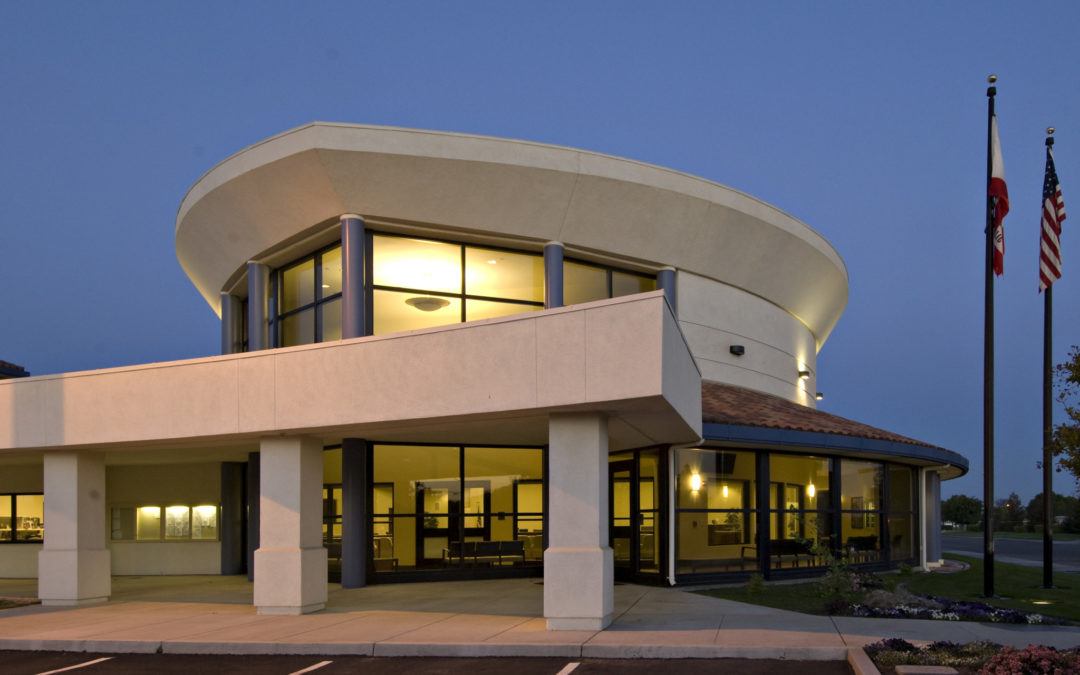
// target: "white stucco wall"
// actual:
[[714, 316]]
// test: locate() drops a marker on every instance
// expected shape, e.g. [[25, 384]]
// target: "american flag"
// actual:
[[1053, 213]]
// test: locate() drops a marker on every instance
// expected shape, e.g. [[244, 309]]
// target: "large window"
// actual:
[[416, 283], [309, 299], [421, 283], [428, 514], [585, 282], [861, 485], [800, 510], [22, 518], [156, 522], [902, 513], [715, 501]]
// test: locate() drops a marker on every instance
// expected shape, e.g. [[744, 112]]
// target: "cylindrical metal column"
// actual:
[[355, 492], [252, 494], [553, 275], [665, 281], [231, 324], [258, 278], [352, 276]]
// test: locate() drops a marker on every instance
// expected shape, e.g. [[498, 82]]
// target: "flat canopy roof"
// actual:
[[743, 416]]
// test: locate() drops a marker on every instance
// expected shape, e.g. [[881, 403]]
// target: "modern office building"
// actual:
[[456, 357]]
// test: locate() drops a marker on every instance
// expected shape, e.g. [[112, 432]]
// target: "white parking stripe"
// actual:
[[77, 665], [570, 667], [320, 664]]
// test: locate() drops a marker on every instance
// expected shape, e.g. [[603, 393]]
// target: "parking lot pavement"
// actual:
[[78, 663]]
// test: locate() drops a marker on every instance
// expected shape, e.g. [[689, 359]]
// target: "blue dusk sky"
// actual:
[[865, 120]]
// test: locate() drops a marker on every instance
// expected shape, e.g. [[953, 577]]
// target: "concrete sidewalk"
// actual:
[[475, 618]]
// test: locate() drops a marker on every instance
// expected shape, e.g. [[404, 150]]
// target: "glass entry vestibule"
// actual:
[[636, 494], [445, 511]]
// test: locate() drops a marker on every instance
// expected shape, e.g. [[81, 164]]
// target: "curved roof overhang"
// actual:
[[949, 463], [287, 187]]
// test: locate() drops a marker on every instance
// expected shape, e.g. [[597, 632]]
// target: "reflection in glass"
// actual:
[[711, 479], [624, 283], [331, 320], [298, 329], [501, 274], [177, 522], [204, 522], [148, 524], [29, 517], [860, 485], [298, 285], [486, 309], [394, 313], [416, 263], [5, 518], [123, 523], [331, 272], [583, 283]]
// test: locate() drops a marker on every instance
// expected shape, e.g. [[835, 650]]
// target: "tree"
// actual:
[[1065, 512], [1009, 514], [1066, 440], [962, 509]]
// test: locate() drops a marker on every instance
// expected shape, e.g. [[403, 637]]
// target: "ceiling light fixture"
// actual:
[[811, 490], [426, 303], [695, 481]]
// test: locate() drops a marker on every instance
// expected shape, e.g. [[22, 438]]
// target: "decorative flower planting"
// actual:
[[986, 658], [933, 607]]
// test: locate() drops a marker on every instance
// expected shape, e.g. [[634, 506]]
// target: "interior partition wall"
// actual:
[[781, 514]]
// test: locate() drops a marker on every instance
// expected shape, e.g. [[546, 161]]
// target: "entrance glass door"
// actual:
[[635, 495]]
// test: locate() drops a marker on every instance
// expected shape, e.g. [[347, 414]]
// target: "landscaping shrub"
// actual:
[[1033, 659], [895, 652]]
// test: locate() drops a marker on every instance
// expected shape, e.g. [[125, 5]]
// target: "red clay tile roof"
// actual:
[[728, 404]]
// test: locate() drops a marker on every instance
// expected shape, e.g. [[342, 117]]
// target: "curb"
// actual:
[[860, 663], [444, 649]]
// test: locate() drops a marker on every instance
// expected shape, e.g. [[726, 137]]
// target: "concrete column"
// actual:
[[578, 563], [932, 517], [553, 274], [231, 324], [353, 240], [355, 537], [73, 564], [258, 278], [665, 281], [232, 518], [251, 496], [290, 564]]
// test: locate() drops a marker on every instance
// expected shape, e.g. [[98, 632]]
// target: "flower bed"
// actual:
[[944, 609], [985, 658]]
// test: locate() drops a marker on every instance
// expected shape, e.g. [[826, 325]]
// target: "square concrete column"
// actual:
[[73, 564], [290, 563], [578, 563]]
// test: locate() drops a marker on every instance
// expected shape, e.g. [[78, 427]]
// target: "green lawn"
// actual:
[[1018, 588], [1058, 536]]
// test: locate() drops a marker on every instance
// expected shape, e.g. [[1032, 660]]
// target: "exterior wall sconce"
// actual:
[[737, 350], [695, 482], [804, 374], [819, 396]]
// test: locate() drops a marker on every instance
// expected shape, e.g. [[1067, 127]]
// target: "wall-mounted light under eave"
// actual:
[[804, 374], [819, 396]]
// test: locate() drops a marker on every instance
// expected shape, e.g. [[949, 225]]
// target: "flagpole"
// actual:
[[1048, 420], [988, 359]]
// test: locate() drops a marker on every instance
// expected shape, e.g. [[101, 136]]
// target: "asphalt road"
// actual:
[[42, 663], [1026, 552]]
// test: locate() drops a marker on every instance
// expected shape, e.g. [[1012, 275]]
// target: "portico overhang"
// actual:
[[494, 381]]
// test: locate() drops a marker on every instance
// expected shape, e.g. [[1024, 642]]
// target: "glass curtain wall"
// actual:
[[422, 283], [800, 510], [715, 519], [585, 282], [22, 518], [861, 486], [455, 507], [902, 513], [309, 300]]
